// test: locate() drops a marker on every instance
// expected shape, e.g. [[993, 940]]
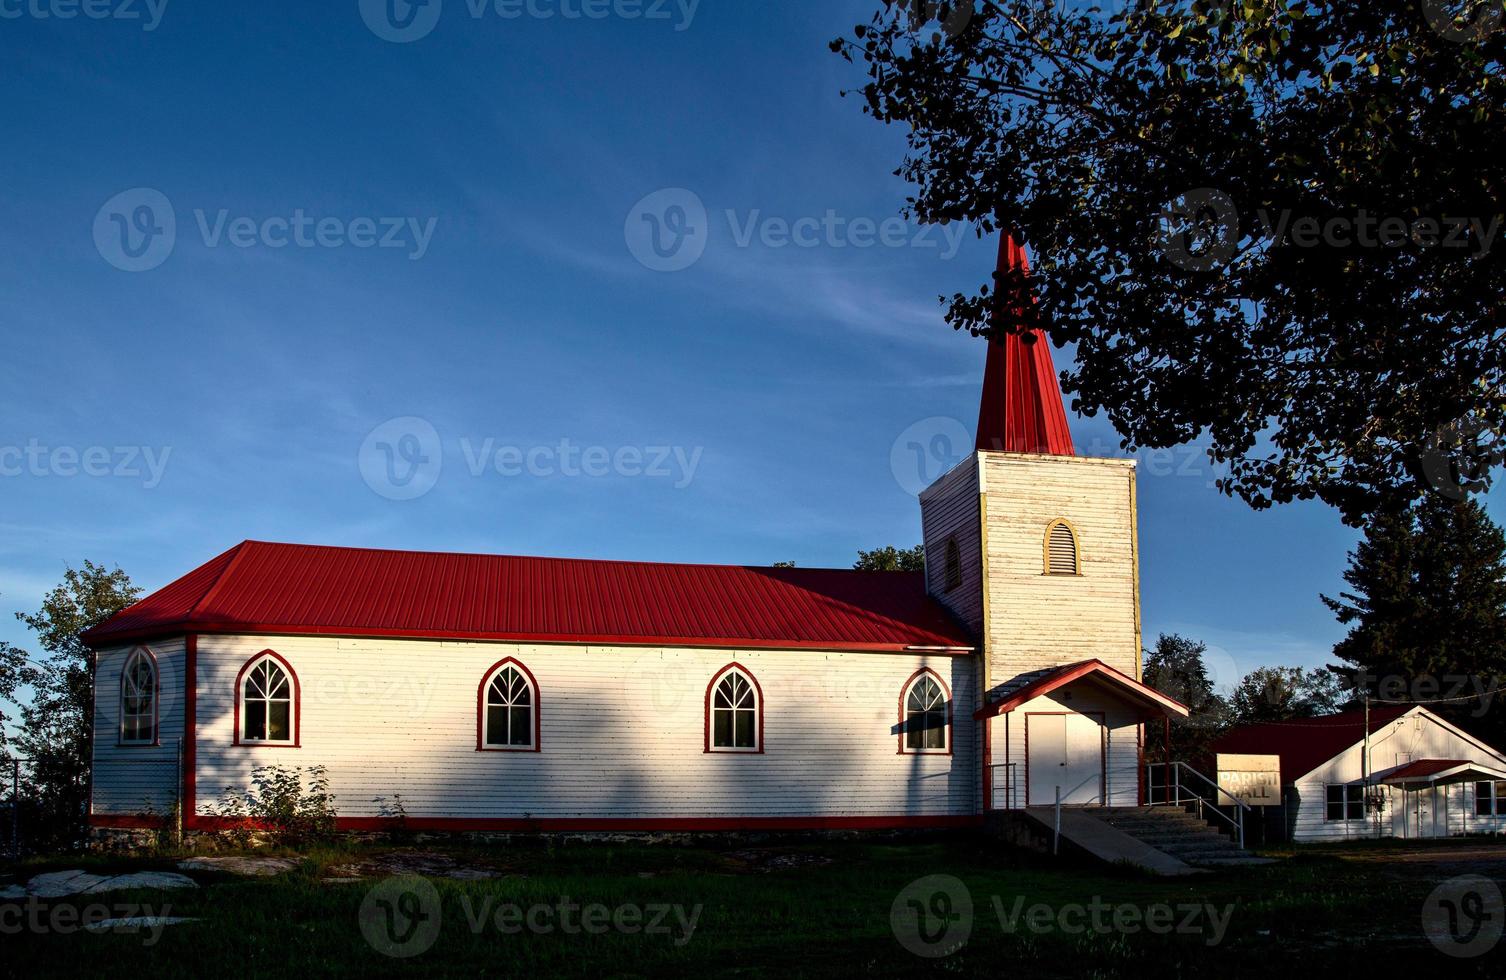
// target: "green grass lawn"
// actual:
[[821, 908]]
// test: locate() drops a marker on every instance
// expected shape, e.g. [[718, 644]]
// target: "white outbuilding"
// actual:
[[1416, 775]]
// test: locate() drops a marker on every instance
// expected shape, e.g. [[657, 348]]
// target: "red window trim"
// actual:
[[156, 740], [758, 720], [538, 712], [240, 694], [904, 693]]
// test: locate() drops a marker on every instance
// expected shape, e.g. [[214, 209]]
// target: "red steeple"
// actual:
[[1022, 409]]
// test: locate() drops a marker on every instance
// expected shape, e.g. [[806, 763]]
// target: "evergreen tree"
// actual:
[[1426, 608], [1175, 668]]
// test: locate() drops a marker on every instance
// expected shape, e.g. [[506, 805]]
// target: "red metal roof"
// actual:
[[258, 587], [1424, 767], [1305, 744], [1033, 685], [1022, 410]]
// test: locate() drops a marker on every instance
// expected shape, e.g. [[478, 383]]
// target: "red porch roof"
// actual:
[[257, 587], [1149, 699]]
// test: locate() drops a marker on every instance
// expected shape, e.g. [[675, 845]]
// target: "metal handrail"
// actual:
[[1237, 821], [1011, 770]]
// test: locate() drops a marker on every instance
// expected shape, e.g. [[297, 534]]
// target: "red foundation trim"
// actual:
[[585, 824]]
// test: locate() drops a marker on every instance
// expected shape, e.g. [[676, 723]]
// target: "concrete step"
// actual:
[[1181, 835]]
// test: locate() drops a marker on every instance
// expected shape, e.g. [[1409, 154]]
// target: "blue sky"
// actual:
[[504, 161]]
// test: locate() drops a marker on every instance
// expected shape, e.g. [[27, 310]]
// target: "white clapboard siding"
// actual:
[[623, 732], [1416, 736], [1121, 746], [137, 779], [949, 512], [1038, 620]]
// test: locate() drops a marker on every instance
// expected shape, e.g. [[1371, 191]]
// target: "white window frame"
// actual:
[[508, 704], [1348, 803], [289, 678], [752, 704], [1497, 797], [944, 706], [136, 656]]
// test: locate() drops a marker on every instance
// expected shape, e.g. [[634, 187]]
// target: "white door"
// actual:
[[1429, 816], [1066, 751]]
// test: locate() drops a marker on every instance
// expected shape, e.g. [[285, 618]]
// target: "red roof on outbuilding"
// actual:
[[258, 587], [1305, 744]]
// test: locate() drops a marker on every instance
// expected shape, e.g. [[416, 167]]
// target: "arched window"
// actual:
[[266, 704], [138, 699], [1061, 549], [508, 709], [953, 564], [734, 712], [925, 715]]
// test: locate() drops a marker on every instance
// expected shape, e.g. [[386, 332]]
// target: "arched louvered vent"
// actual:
[[1061, 549], [953, 565]]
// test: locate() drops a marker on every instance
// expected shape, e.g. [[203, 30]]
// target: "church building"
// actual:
[[475, 692]]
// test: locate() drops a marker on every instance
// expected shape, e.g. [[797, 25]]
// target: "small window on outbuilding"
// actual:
[[1490, 799], [953, 565], [1345, 803], [1061, 549]]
